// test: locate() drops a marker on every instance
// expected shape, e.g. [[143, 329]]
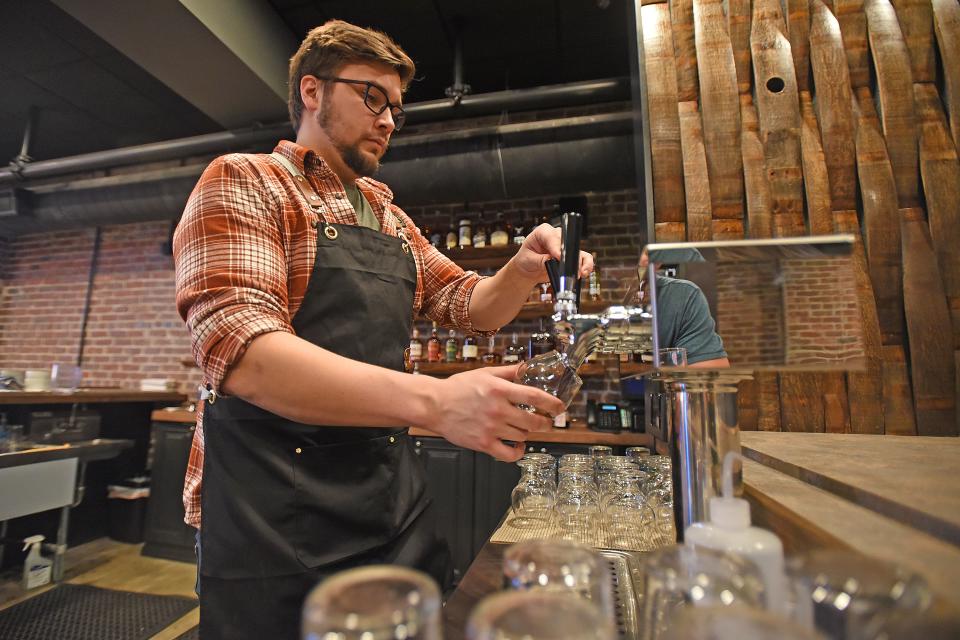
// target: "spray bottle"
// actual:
[[36, 569], [729, 530]]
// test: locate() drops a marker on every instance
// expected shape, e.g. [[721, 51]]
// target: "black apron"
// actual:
[[283, 503]]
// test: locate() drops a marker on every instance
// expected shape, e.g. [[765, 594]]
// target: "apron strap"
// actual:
[[306, 189]]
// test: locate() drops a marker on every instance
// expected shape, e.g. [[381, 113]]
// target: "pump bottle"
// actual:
[[729, 530]]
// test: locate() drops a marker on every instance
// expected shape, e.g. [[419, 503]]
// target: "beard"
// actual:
[[361, 164]]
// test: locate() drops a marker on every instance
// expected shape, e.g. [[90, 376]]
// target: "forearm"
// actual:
[[497, 300], [295, 379]]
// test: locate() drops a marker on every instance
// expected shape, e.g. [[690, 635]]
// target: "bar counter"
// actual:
[[888, 497], [577, 433]]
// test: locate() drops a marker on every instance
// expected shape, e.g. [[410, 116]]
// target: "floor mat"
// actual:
[[81, 612]]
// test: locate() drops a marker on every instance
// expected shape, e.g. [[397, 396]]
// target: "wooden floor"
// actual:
[[114, 565]]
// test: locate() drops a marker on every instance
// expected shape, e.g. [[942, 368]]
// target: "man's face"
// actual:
[[359, 136]]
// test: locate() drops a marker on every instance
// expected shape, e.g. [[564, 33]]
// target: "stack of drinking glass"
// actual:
[[599, 499]]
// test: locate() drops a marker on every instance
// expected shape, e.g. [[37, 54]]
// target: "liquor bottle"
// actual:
[[594, 282], [433, 346], [519, 232], [491, 356], [471, 351], [499, 237], [451, 347], [546, 292], [426, 232], [540, 342], [514, 352], [416, 346], [480, 234], [451, 237], [436, 238], [465, 237]]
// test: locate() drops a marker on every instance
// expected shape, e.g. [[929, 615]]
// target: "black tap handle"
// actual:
[[553, 272], [570, 244]]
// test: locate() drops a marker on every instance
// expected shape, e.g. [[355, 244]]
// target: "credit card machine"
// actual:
[[608, 417]]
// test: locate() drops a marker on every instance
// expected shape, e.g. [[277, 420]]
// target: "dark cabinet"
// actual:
[[450, 482], [495, 481], [167, 535]]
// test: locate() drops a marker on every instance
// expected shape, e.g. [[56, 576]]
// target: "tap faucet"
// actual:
[[617, 329]]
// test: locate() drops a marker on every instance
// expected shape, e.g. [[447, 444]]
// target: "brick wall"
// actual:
[[134, 331]]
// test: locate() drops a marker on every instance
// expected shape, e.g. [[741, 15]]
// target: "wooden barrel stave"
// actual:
[[738, 24], [940, 170], [946, 25], [720, 109], [881, 226], [853, 26], [816, 184], [684, 45], [757, 188], [663, 118], [891, 64], [865, 390], [833, 105], [779, 114], [798, 23], [931, 357], [898, 414], [916, 23], [695, 180]]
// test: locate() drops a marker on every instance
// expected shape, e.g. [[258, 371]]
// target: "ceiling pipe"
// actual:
[[551, 157], [545, 97]]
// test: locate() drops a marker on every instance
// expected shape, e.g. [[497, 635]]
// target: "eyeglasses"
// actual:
[[375, 98]]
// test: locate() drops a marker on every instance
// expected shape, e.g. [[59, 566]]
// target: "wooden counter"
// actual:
[[576, 434], [93, 395], [891, 497]]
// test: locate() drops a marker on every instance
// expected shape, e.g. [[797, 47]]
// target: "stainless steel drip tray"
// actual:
[[627, 585]]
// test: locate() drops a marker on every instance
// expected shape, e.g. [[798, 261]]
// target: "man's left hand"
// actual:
[[541, 244]]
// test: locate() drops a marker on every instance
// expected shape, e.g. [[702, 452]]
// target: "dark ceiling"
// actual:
[[92, 97]]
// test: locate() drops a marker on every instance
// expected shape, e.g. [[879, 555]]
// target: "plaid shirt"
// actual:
[[244, 252]]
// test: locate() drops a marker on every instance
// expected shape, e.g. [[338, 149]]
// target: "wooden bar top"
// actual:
[[910, 479], [577, 433], [91, 395]]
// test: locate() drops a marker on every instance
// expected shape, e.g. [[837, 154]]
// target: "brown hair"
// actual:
[[335, 43]]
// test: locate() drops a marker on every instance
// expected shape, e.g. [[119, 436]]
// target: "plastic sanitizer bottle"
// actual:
[[729, 530], [36, 568]]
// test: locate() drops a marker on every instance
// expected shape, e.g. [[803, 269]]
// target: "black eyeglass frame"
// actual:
[[396, 111]]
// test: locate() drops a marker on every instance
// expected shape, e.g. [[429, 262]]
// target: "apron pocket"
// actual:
[[353, 497]]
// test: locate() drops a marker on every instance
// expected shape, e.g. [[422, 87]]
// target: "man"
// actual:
[[298, 279], [684, 319]]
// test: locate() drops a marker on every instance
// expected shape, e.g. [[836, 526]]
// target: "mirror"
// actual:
[[785, 304]]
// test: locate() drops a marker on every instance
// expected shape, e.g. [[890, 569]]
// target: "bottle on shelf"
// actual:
[[436, 237], [450, 240], [491, 356], [433, 346], [519, 232], [514, 352], [465, 237], [594, 281], [451, 347], [471, 350], [499, 237], [480, 233], [416, 347], [426, 231], [540, 342], [546, 292]]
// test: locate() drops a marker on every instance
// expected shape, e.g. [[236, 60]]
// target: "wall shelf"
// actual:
[[473, 259]]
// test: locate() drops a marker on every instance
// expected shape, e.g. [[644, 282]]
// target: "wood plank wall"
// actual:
[[818, 116]]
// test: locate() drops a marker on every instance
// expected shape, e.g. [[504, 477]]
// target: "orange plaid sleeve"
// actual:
[[231, 275]]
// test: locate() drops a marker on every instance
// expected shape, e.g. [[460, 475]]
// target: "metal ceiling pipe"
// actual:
[[577, 93], [562, 156]]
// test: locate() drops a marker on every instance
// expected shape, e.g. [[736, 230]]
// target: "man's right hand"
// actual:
[[478, 410]]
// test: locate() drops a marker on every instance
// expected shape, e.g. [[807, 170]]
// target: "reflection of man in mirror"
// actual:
[[684, 320]]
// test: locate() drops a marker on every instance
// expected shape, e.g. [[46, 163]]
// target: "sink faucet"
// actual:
[[617, 329]]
